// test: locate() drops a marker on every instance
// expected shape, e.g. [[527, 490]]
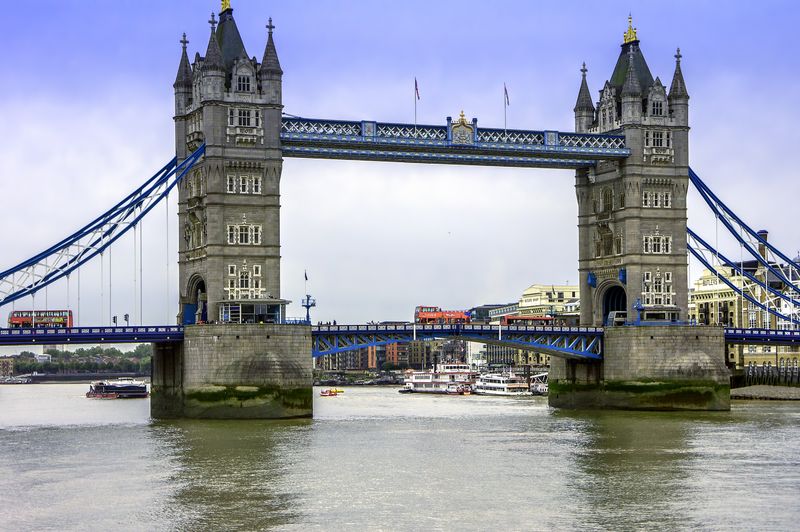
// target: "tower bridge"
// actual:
[[629, 155]]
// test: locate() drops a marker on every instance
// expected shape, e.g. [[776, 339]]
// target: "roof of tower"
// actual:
[[678, 87], [230, 42], [631, 87], [584, 102], [270, 62], [631, 44], [184, 77], [213, 58]]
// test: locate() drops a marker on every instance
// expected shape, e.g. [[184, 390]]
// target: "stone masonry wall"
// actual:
[[665, 353], [254, 371]]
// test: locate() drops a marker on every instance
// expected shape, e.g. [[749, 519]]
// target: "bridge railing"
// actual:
[[353, 130]]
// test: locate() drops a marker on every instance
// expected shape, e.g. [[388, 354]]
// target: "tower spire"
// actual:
[[631, 87], [584, 102], [184, 77], [270, 63], [213, 59], [677, 88]]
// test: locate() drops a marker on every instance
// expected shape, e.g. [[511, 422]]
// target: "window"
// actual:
[[656, 200], [231, 117], [243, 83], [645, 199], [608, 200], [243, 182], [258, 118], [244, 117], [658, 108], [256, 184], [257, 284], [232, 269], [617, 249], [656, 289], [244, 279], [667, 202], [656, 245], [231, 284], [658, 139], [256, 270], [244, 234], [669, 139], [231, 184]]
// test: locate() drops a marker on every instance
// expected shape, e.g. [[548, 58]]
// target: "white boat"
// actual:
[[446, 378], [502, 384], [539, 384]]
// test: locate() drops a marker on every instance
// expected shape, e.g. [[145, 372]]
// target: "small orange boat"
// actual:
[[328, 393]]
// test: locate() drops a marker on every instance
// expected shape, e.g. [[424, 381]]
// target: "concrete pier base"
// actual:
[[647, 368], [256, 371]]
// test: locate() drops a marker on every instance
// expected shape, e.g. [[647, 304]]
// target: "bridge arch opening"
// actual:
[[195, 310], [614, 299]]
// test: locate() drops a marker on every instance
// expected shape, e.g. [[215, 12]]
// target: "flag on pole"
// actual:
[[505, 91], [306, 275], [416, 88]]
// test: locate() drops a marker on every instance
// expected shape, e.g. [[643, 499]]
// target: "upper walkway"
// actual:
[[458, 142]]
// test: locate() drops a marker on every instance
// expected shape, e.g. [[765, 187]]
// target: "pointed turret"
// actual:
[[270, 63], [678, 97], [678, 87], [631, 87], [183, 81], [270, 74], [631, 94], [213, 69], [213, 58], [584, 108], [184, 77]]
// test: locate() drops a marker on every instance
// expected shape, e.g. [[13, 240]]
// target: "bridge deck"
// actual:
[[377, 141]]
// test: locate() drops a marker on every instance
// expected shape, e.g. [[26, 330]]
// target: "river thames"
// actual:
[[373, 459]]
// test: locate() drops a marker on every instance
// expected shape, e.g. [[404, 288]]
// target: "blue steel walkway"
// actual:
[[570, 342], [458, 142]]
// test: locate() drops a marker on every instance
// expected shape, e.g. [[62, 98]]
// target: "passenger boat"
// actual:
[[501, 384], [446, 378], [123, 388], [539, 384], [329, 393]]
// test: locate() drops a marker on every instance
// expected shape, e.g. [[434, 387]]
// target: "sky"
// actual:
[[86, 105]]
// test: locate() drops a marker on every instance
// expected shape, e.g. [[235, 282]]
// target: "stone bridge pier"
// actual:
[[647, 368]]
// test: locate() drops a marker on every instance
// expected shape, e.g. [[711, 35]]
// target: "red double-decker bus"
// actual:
[[18, 319], [526, 320], [437, 315]]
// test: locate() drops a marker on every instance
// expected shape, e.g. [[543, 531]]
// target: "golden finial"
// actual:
[[630, 35], [226, 4], [462, 119]]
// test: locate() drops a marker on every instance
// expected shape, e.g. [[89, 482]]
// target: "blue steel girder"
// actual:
[[584, 343], [761, 336], [91, 335], [376, 141]]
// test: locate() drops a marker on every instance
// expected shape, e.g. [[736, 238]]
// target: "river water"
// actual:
[[373, 459]]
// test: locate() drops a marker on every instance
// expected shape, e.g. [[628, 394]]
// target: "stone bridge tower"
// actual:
[[229, 221], [632, 214]]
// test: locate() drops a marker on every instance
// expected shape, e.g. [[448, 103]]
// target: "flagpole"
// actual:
[[416, 91], [505, 112]]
